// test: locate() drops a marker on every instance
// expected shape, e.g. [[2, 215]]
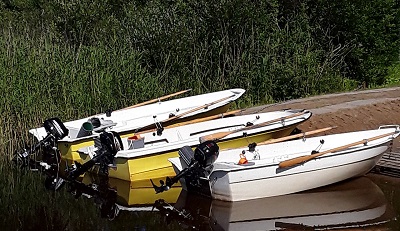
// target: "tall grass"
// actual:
[[41, 80]]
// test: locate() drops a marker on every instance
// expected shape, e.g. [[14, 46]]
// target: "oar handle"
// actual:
[[156, 100], [220, 135], [302, 159]]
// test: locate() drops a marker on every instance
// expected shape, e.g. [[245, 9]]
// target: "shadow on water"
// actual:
[[357, 203]]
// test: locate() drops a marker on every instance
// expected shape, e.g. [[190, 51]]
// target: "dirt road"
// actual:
[[352, 111]]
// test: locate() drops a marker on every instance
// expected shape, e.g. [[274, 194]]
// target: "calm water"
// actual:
[[367, 203]]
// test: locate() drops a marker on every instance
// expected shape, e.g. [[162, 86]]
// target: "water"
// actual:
[[366, 203]]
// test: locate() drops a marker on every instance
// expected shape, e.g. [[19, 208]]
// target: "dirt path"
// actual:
[[352, 111]]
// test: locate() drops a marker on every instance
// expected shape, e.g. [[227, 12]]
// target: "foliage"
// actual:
[[393, 77]]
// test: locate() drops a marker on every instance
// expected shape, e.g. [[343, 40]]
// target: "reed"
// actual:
[[42, 80]]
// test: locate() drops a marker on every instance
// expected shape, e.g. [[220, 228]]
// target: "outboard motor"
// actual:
[[55, 131], [198, 162], [110, 143]]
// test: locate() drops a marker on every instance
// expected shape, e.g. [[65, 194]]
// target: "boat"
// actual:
[[280, 168], [68, 137], [145, 155], [135, 118], [353, 203]]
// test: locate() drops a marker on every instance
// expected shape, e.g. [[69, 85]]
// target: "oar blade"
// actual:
[[214, 136]]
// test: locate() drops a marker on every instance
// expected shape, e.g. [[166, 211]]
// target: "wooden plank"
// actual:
[[388, 165]]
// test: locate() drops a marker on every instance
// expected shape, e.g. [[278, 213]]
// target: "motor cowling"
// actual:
[[206, 153], [111, 142], [55, 127]]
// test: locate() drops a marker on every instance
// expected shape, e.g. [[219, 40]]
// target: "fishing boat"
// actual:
[[280, 168], [165, 112], [145, 155], [353, 203], [68, 137], [134, 118]]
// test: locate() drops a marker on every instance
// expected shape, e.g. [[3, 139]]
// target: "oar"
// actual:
[[222, 115], [196, 109], [303, 134], [302, 159], [272, 141], [156, 100], [219, 135], [151, 126]]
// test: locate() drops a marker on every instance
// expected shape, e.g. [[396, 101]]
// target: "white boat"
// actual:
[[145, 155], [137, 117], [286, 167], [357, 202]]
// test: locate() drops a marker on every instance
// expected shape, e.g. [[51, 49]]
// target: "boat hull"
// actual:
[[157, 165], [125, 120], [341, 158], [315, 174]]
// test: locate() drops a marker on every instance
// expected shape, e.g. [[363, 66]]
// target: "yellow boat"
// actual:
[[146, 157], [80, 133]]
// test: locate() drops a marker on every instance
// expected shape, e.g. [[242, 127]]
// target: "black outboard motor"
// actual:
[[55, 131], [110, 144], [198, 162]]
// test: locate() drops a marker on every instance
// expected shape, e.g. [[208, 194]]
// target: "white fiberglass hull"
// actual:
[[263, 177], [189, 135], [265, 182], [129, 119]]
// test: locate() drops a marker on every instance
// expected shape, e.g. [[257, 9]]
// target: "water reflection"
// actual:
[[354, 203]]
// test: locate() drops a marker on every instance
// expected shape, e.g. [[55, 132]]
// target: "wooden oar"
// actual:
[[219, 135], [272, 141], [151, 126], [196, 109], [156, 100], [221, 115], [302, 159], [303, 134]]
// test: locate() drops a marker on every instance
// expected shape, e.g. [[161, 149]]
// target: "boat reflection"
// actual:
[[126, 195], [353, 203]]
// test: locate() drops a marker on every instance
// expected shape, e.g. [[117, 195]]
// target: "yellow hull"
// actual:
[[137, 193], [157, 165], [69, 150]]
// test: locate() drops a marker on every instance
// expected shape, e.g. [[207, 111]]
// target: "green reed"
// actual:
[[42, 80]]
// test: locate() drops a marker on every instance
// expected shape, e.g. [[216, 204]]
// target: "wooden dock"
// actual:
[[389, 164]]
